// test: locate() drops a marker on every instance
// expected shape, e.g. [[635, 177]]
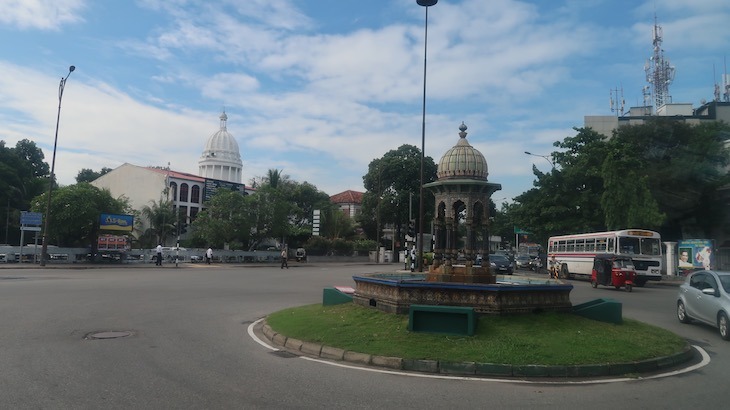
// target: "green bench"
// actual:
[[455, 320]]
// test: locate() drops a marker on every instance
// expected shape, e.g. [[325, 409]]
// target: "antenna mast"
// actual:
[[726, 84], [659, 73], [617, 101]]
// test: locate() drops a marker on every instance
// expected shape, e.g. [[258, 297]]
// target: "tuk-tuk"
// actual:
[[612, 270]]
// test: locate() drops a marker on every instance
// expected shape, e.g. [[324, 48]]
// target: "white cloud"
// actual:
[[41, 14]]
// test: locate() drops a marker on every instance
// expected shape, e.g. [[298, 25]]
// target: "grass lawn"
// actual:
[[541, 339]]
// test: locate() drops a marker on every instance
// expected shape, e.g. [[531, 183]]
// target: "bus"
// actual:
[[575, 253]]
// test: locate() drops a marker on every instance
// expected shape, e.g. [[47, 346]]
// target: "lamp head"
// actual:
[[528, 153], [71, 69], [427, 3]]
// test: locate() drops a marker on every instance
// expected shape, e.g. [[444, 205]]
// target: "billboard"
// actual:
[[213, 185], [695, 254], [111, 222]]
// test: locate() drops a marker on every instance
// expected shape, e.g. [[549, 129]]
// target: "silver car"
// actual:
[[705, 296]]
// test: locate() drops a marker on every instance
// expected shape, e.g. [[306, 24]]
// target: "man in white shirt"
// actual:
[[159, 254]]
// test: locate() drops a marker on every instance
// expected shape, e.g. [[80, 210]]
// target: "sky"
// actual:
[[319, 88]]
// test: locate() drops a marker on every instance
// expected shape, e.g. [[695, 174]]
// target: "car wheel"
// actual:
[[722, 325], [682, 313]]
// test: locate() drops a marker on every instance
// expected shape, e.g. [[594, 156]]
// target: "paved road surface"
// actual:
[[189, 347]]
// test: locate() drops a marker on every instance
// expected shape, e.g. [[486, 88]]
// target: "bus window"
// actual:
[[580, 245], [650, 246], [561, 246], [570, 245], [628, 245], [601, 245], [590, 245], [611, 245]]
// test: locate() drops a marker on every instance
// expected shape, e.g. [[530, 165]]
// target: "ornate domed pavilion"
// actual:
[[221, 158], [462, 197]]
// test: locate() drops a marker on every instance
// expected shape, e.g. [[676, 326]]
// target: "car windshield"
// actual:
[[498, 258]]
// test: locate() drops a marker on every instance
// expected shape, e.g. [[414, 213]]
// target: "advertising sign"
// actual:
[[213, 185], [695, 254], [31, 218], [110, 222]]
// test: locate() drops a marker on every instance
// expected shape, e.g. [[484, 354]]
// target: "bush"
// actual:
[[317, 245]]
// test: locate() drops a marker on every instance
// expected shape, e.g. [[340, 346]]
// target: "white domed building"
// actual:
[[221, 158]]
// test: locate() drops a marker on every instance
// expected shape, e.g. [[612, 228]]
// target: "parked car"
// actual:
[[523, 262], [500, 264], [705, 297]]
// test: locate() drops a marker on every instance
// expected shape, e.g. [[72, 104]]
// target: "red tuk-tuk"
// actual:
[[613, 270]]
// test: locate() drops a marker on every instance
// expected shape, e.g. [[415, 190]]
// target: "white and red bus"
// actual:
[[575, 253]]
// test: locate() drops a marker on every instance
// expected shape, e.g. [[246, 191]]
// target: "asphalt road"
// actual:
[[189, 347]]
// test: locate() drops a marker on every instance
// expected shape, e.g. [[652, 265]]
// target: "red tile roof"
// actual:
[[347, 197]]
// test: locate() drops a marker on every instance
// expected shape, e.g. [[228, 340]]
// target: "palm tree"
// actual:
[[161, 218]]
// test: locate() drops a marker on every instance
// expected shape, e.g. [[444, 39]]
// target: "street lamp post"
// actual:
[[552, 164], [44, 249], [426, 4]]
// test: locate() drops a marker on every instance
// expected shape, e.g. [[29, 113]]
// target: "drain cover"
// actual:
[[108, 335]]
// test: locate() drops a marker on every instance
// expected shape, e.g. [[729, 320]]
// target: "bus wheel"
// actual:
[[564, 274], [640, 282]]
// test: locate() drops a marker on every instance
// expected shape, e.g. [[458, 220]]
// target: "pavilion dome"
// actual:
[[462, 161]]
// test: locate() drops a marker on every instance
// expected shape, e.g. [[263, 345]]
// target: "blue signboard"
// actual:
[[31, 218], [112, 222]]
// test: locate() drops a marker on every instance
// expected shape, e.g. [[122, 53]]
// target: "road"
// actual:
[[189, 347]]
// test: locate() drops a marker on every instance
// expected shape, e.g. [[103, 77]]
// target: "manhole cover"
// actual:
[[108, 335]]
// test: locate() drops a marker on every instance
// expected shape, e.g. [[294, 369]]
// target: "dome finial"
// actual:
[[224, 118], [462, 128]]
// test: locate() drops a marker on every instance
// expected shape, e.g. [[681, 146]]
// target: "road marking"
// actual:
[[704, 362]]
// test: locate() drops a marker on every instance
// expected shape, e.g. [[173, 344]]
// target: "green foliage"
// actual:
[[317, 245], [75, 212], [23, 176], [88, 175], [392, 187]]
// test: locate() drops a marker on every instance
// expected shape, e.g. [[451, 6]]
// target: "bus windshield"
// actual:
[[639, 246]]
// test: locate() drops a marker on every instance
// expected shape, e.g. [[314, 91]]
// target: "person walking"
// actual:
[[159, 255], [283, 258], [208, 255]]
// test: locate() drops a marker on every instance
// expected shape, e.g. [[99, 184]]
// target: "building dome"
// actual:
[[221, 158], [462, 161]]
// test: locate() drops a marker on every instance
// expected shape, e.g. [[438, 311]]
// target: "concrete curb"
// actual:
[[476, 369]]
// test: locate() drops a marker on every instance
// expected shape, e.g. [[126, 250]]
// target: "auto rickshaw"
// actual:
[[612, 270]]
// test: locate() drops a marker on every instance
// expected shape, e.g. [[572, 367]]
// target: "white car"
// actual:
[[705, 297]]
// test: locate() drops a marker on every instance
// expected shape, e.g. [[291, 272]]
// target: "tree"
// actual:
[[392, 186], [672, 173], [75, 212], [566, 199], [228, 219], [88, 175], [23, 176], [161, 218]]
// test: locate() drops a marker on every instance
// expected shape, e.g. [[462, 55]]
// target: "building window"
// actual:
[[193, 212], [173, 191], [183, 192], [195, 194]]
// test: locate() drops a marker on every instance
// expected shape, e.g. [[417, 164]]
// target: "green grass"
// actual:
[[541, 339]]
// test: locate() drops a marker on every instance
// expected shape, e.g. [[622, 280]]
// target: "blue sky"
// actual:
[[319, 88]]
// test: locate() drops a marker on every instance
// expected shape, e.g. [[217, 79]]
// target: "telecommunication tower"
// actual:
[[617, 101], [659, 73]]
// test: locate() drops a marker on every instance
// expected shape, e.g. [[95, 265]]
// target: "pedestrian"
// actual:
[[208, 255], [283, 258], [413, 258], [159, 254]]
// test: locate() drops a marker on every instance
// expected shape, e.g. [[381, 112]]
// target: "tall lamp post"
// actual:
[[426, 4], [44, 249], [552, 164]]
